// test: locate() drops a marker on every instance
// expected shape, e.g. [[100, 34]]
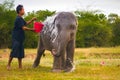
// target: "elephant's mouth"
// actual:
[[54, 53]]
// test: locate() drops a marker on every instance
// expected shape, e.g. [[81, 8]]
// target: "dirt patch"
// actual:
[[6, 55], [30, 56], [105, 55]]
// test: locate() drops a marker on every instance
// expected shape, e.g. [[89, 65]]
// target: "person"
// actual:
[[18, 36]]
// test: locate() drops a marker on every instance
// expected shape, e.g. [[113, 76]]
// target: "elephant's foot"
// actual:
[[57, 70], [70, 69], [35, 64], [69, 66]]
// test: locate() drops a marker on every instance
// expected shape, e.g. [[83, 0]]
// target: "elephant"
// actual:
[[58, 36]]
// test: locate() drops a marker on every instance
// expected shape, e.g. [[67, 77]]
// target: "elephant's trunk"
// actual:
[[55, 53]]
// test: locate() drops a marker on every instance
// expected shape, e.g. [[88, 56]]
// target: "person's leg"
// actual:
[[21, 54], [20, 63], [9, 62]]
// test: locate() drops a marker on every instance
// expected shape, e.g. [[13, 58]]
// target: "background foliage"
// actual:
[[95, 29]]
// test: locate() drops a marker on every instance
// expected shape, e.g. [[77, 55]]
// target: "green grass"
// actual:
[[87, 62]]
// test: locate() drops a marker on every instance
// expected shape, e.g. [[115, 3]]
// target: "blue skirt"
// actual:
[[17, 49]]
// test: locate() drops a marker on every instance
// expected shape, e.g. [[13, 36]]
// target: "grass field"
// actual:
[[91, 64]]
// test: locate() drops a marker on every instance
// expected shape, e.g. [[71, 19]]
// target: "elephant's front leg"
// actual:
[[59, 54], [70, 55]]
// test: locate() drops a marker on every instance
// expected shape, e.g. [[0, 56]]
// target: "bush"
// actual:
[[116, 33], [93, 34]]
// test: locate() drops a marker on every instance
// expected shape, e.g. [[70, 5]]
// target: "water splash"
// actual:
[[51, 28]]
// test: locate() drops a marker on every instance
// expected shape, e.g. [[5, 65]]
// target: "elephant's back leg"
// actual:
[[40, 52]]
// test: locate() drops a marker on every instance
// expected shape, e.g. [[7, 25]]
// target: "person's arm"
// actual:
[[26, 28], [30, 21]]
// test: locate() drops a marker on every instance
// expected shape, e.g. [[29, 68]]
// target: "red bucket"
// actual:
[[38, 26]]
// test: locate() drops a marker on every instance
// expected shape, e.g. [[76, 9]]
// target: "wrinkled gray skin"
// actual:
[[58, 36]]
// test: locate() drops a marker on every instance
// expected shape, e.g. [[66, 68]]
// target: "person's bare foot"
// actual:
[[8, 67], [20, 67]]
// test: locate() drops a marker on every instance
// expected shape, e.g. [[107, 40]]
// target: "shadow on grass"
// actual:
[[26, 68], [42, 69], [37, 69]]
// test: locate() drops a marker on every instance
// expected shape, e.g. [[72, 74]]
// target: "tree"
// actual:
[[7, 16], [112, 17], [92, 29], [116, 31]]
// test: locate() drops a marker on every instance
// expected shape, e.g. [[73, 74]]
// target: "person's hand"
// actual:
[[34, 18], [32, 29]]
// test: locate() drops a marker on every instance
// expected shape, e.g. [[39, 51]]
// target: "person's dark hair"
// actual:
[[19, 8]]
